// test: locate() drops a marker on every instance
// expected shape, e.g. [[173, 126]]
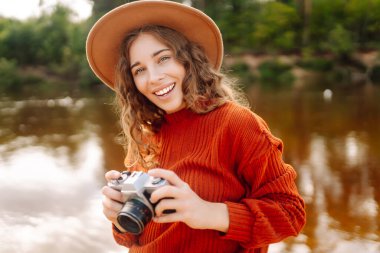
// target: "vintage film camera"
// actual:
[[136, 188]]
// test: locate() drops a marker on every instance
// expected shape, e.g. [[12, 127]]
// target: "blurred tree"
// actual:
[[19, 41], [304, 8], [53, 31], [359, 20], [363, 19], [100, 7], [254, 25], [9, 78], [310, 26], [339, 42], [235, 19], [324, 17], [37, 41], [276, 28]]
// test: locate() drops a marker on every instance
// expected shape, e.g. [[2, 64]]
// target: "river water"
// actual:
[[54, 152]]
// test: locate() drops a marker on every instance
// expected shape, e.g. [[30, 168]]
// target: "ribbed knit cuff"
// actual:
[[125, 239], [241, 223]]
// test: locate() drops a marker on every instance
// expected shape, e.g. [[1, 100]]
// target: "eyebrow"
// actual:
[[153, 55]]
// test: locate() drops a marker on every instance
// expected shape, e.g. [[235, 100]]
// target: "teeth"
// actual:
[[164, 90]]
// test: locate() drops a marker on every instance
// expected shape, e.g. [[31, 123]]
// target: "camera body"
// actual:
[[136, 188]]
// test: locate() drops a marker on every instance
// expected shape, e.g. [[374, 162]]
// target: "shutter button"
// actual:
[[157, 180]]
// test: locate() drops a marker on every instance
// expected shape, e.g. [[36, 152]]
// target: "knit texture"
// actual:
[[227, 155]]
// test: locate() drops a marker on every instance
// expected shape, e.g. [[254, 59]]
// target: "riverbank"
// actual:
[[358, 68], [276, 71]]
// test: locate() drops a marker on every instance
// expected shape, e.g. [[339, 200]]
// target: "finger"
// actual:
[[111, 205], [112, 174], [165, 192], [169, 175], [112, 194], [110, 215]]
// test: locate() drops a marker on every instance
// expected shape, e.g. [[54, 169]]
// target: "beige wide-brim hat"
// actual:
[[105, 37]]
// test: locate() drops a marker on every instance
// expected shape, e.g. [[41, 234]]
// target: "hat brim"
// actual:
[[105, 37]]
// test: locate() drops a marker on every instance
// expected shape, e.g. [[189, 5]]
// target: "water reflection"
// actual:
[[53, 154], [332, 143], [52, 165]]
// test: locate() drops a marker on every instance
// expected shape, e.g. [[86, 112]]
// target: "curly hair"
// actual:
[[204, 90]]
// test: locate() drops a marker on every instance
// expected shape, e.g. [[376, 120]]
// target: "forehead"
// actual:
[[145, 45]]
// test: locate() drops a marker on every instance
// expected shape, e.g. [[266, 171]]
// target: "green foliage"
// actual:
[[12, 78], [358, 21], [242, 71], [340, 75], [363, 18], [316, 64], [19, 41], [254, 26], [51, 40], [235, 18], [275, 73], [276, 28], [325, 15], [8, 74], [37, 41], [100, 7], [339, 42], [54, 35], [338, 27], [375, 74]]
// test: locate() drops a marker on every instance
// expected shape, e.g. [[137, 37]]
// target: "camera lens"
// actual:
[[134, 216]]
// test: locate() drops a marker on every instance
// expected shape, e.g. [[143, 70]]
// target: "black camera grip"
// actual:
[[168, 211]]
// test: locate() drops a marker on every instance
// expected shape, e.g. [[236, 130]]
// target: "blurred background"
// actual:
[[310, 68]]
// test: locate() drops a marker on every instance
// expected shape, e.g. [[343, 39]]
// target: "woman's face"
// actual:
[[157, 73]]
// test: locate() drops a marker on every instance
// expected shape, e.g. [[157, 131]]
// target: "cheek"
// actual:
[[179, 70], [140, 85], [183, 71]]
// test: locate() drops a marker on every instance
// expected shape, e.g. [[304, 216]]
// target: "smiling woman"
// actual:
[[182, 122], [33, 8]]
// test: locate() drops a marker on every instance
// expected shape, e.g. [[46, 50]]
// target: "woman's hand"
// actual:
[[190, 208], [112, 201]]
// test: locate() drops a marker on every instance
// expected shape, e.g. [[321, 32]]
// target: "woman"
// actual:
[[229, 187]]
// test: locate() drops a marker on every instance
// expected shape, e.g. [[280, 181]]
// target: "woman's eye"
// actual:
[[164, 58], [138, 71]]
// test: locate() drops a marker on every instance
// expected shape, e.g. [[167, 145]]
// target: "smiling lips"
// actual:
[[165, 91]]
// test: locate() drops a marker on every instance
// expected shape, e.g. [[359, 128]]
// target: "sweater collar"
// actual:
[[181, 115]]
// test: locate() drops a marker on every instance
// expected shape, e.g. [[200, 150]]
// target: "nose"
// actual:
[[155, 75]]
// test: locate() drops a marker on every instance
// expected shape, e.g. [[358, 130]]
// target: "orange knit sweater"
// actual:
[[227, 155]]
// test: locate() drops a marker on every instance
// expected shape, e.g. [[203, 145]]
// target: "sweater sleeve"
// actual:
[[124, 239], [272, 208]]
